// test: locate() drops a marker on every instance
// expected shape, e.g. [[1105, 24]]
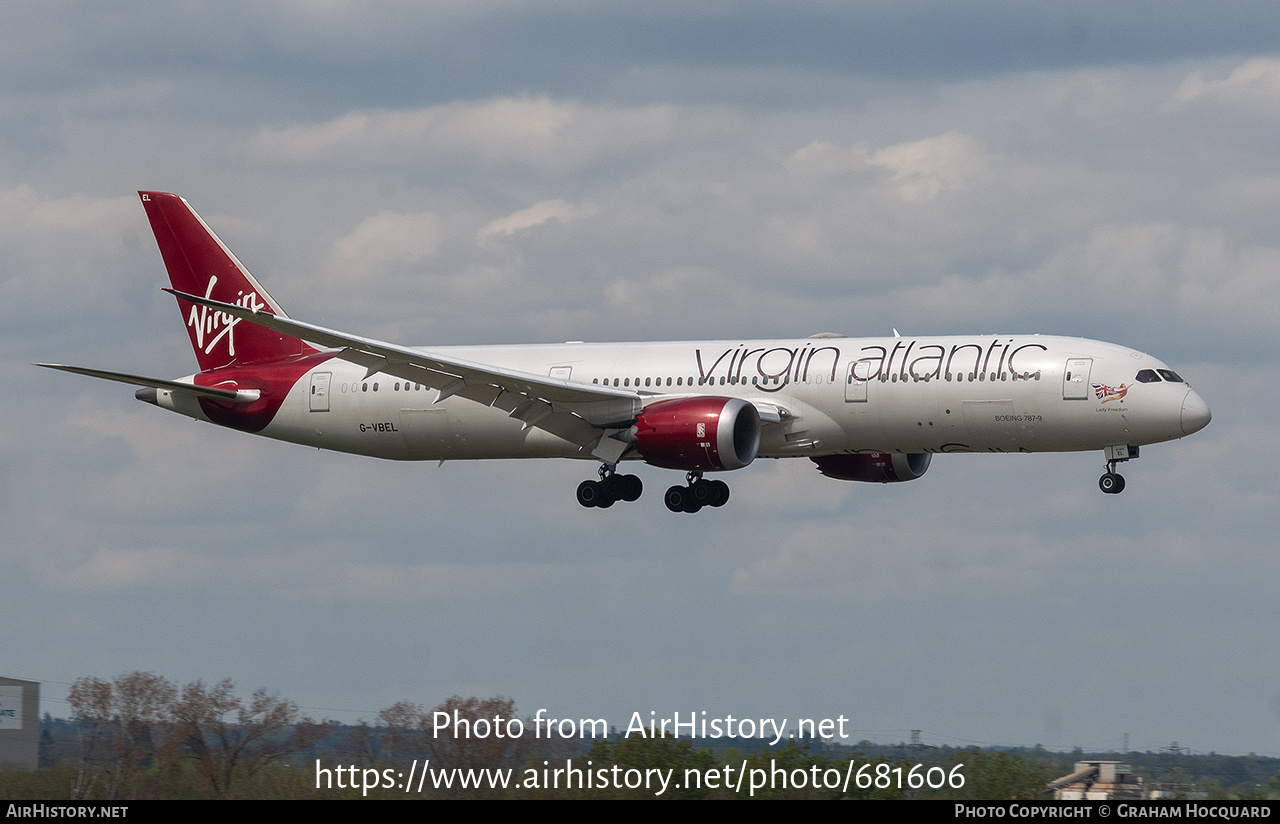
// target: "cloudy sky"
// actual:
[[474, 172]]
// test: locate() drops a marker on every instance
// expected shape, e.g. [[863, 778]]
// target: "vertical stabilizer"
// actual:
[[200, 264]]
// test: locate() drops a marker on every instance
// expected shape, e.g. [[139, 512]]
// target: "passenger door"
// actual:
[[1075, 380], [320, 391]]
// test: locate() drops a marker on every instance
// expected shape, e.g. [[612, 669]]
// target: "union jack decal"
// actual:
[[1110, 393]]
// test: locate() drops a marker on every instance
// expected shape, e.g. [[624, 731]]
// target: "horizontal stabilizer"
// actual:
[[227, 395]]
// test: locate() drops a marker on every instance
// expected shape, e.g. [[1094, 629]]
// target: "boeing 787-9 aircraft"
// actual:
[[861, 409]]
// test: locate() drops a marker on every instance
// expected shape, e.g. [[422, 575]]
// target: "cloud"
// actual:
[[822, 158], [539, 133], [924, 168], [388, 238], [874, 562], [112, 569], [1194, 277], [1254, 85], [55, 247], [665, 292], [541, 212], [138, 463]]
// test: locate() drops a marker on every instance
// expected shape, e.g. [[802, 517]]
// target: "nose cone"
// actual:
[[1195, 413]]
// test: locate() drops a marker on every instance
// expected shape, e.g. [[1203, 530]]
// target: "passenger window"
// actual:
[[1148, 376]]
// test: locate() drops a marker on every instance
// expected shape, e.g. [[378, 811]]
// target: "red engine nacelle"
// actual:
[[875, 467], [698, 433]]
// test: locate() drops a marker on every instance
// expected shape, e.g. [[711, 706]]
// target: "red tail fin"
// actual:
[[200, 264]]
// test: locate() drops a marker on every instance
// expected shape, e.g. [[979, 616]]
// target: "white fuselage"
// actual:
[[817, 396]]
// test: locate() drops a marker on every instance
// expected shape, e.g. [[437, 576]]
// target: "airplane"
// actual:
[[861, 409]]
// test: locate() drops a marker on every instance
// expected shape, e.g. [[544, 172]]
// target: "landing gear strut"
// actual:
[[697, 494], [610, 489], [1111, 481]]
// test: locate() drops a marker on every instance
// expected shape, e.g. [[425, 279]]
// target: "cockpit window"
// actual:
[[1148, 376], [1170, 375]]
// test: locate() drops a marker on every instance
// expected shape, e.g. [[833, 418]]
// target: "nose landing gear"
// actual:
[[1111, 481], [697, 494], [610, 489]]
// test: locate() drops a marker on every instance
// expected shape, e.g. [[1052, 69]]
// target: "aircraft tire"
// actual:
[[1111, 483], [677, 498], [719, 493], [614, 486], [700, 492], [631, 488], [590, 494]]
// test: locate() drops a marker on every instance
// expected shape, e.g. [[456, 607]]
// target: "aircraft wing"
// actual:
[[226, 395], [577, 412]]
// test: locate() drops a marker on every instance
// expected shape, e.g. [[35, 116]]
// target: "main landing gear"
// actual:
[[697, 494], [610, 489], [1111, 481], [613, 487]]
